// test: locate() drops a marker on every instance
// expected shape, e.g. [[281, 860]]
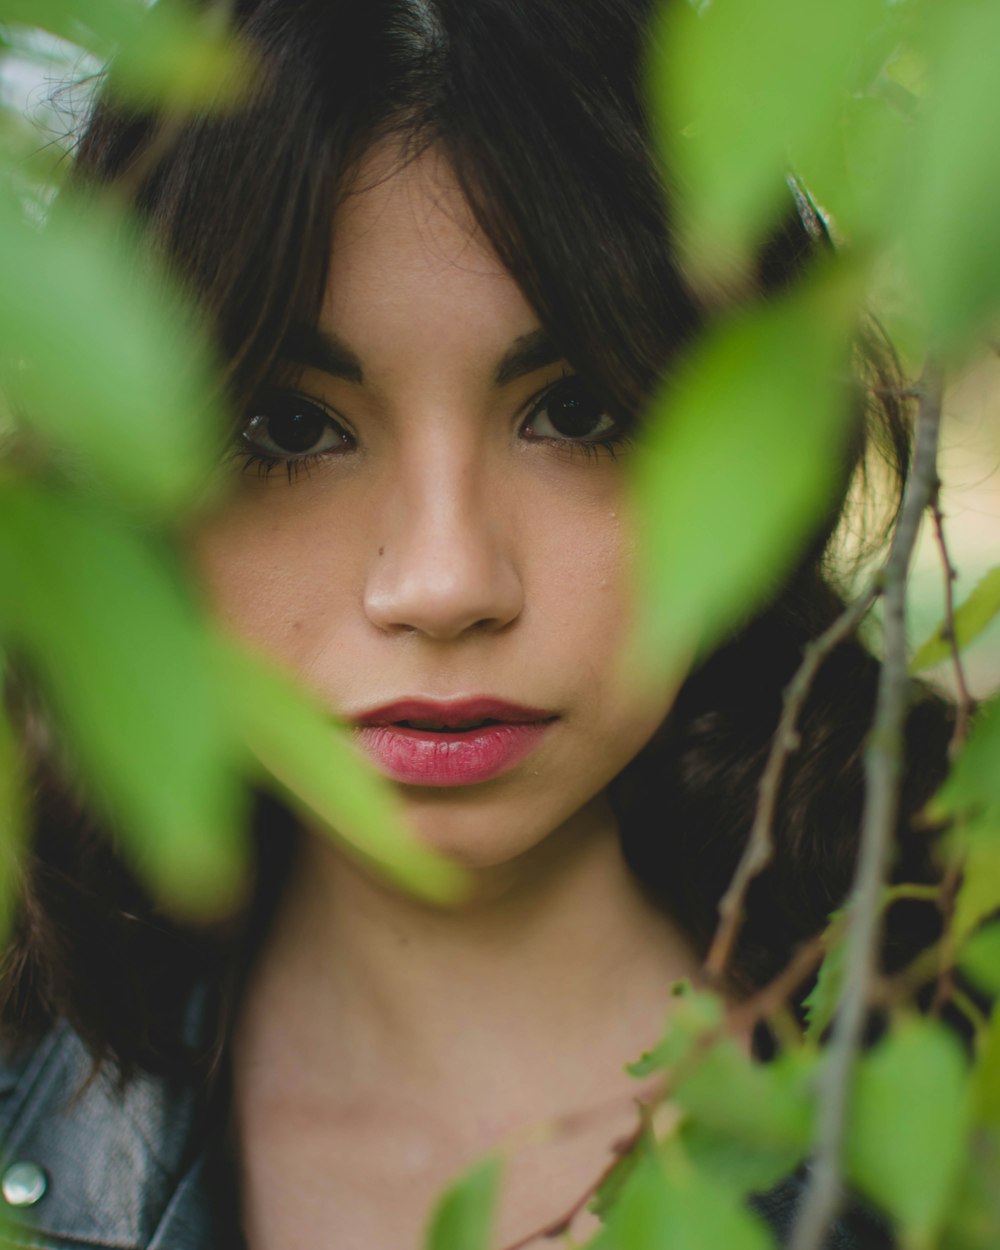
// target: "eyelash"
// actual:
[[264, 463]]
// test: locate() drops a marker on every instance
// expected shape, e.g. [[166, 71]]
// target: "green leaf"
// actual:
[[986, 1075], [748, 1124], [978, 895], [692, 1017], [973, 785], [293, 737], [972, 617], [101, 359], [768, 1105], [731, 1162], [970, 798], [676, 1207], [120, 651], [738, 89], [739, 465], [463, 1218], [956, 269], [821, 1002], [909, 1120], [167, 53], [979, 958], [175, 58]]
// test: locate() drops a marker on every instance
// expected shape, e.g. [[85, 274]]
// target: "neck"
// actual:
[[534, 995]]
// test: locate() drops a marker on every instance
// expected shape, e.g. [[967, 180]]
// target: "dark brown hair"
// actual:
[[539, 107]]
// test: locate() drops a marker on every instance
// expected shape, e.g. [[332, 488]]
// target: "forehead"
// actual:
[[407, 254]]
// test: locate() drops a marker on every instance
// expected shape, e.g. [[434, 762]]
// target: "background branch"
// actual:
[[883, 773], [760, 844]]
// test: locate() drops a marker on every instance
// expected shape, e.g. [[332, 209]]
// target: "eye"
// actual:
[[570, 411], [287, 426]]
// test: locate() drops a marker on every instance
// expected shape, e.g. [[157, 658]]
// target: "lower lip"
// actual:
[[420, 757]]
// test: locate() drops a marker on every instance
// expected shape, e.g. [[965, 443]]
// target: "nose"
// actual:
[[446, 563]]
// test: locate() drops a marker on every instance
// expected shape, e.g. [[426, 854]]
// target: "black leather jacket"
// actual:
[[140, 1167]]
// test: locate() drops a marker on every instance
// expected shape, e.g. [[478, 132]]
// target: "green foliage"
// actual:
[[666, 1203], [742, 88], [74, 285], [80, 588], [980, 959], [693, 1019], [463, 1217], [821, 1002], [763, 1112], [950, 227], [972, 617], [971, 799], [909, 1120], [740, 463], [166, 53]]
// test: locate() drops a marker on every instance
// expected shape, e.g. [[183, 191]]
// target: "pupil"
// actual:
[[296, 429], [575, 413]]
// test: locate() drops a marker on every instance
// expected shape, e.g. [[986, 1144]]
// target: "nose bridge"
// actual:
[[446, 560]]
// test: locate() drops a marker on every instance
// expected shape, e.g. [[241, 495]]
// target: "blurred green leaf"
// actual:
[[956, 178], [740, 88], [765, 1105], [676, 1207], [739, 464], [970, 798], [909, 1120], [119, 650], [692, 1017], [821, 1002], [972, 617], [978, 896], [979, 959], [730, 1162], [986, 1075], [856, 169], [178, 60], [295, 739], [168, 53], [973, 785], [463, 1218], [101, 359]]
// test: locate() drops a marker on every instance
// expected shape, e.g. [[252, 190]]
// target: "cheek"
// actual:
[[274, 580]]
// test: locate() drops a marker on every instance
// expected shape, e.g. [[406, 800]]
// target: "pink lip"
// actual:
[[450, 757]]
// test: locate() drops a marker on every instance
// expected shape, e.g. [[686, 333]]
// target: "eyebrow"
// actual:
[[316, 349]]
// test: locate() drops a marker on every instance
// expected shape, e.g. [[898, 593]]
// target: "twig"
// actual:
[[559, 1227], [741, 1018], [883, 773], [760, 844], [965, 701]]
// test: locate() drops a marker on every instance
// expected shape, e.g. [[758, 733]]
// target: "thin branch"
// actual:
[[883, 775], [965, 701], [561, 1226], [759, 849], [762, 1005]]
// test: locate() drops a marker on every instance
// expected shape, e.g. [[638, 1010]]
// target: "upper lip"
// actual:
[[451, 711]]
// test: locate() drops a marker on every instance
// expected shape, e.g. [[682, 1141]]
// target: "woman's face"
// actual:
[[429, 527]]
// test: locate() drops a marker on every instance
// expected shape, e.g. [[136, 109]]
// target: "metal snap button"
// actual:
[[23, 1184]]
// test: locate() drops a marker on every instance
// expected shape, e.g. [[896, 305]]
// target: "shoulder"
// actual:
[[90, 1162]]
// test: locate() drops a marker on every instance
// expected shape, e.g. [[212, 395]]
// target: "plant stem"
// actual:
[[883, 774]]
